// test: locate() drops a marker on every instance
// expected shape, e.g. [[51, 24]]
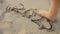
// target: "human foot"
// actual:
[[46, 14]]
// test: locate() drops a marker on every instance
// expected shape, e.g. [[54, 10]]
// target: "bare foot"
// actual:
[[46, 14], [43, 13]]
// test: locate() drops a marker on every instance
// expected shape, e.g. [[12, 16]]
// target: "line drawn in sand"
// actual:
[[41, 21]]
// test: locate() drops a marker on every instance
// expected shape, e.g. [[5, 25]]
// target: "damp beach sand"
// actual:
[[13, 23]]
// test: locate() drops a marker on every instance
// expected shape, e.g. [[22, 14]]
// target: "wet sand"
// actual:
[[20, 24]]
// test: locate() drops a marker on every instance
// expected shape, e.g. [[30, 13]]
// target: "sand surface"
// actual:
[[13, 23]]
